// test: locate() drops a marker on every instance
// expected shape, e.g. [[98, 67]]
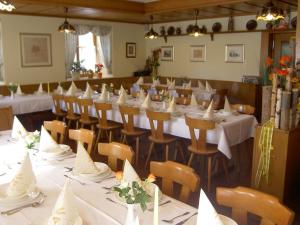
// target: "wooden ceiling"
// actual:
[[139, 12]]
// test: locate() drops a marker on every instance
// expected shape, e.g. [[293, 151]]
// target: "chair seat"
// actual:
[[60, 113], [136, 132], [210, 150], [89, 121], [110, 126], [167, 139], [73, 117]]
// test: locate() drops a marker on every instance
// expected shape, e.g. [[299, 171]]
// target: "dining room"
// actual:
[[149, 112]]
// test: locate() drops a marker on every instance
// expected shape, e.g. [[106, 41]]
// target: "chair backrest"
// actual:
[[158, 118], [129, 112], [161, 88], [6, 118], [173, 172], [183, 101], [243, 200], [57, 99], [202, 126], [71, 103], [101, 109], [57, 129], [184, 92], [85, 136], [114, 152], [84, 106], [145, 87], [246, 109]]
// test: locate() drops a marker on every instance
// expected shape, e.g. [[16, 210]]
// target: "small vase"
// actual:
[[131, 215], [12, 95]]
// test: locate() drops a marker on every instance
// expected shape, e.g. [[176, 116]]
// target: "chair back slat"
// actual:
[[84, 106], [184, 92], [159, 118], [85, 136], [6, 118], [246, 109], [129, 112], [57, 100], [57, 130], [101, 109], [183, 101], [71, 103]]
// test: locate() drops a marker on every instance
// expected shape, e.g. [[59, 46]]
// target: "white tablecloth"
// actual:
[[28, 103], [90, 198]]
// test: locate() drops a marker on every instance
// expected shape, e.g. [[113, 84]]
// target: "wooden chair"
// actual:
[[200, 147], [71, 104], [103, 123], [85, 119], [157, 134], [145, 87], [184, 92], [245, 109], [128, 127], [183, 101], [161, 88], [57, 129], [6, 118], [85, 136], [173, 172], [59, 113], [244, 200], [114, 152]]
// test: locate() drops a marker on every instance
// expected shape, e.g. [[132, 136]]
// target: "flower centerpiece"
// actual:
[[98, 69], [135, 192], [32, 139], [12, 88]]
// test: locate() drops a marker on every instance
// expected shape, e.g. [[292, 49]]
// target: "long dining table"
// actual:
[[230, 129], [91, 198]]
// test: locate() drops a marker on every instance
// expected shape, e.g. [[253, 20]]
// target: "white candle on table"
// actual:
[[155, 214]]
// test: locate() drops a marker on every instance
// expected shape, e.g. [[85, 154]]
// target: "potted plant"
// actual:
[[12, 88], [76, 69], [98, 69], [154, 62]]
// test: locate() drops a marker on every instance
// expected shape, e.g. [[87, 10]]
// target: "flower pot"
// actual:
[[99, 75]]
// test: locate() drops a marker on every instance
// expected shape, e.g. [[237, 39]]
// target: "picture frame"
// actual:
[[130, 50], [235, 53], [167, 53], [198, 53], [36, 50]]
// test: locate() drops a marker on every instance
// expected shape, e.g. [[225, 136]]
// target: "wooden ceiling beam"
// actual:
[[115, 5]]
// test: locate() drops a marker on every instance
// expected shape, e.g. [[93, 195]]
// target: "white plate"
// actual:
[[103, 170], [225, 220], [64, 150]]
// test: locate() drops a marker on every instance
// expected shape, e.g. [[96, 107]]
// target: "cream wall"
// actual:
[[13, 25]]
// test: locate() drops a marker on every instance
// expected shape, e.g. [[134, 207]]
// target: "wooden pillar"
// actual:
[[298, 41]]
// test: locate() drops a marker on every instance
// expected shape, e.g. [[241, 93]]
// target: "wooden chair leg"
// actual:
[[97, 140], [77, 124], [181, 151], [167, 152], [110, 136], [69, 123], [149, 154], [209, 173], [191, 159], [137, 149], [224, 163]]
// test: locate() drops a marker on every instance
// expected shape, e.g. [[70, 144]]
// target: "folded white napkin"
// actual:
[[227, 107], [24, 181], [47, 143], [72, 89], [193, 101], [172, 85], [88, 92], [19, 90], [168, 82], [155, 81], [140, 81], [129, 174], [207, 214], [142, 95], [18, 130], [65, 211], [147, 102], [189, 85], [200, 85], [172, 106], [104, 93], [122, 98], [59, 90], [209, 114], [83, 162], [40, 89], [208, 87]]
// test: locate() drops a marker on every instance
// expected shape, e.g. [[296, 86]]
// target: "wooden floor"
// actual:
[[239, 173]]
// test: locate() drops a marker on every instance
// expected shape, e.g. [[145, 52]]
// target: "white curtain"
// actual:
[[71, 43]]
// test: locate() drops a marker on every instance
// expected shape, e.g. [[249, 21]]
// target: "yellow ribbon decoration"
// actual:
[[265, 146]]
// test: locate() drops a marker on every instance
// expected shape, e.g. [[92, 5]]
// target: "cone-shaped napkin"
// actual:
[[140, 81], [47, 143], [147, 102], [207, 215], [88, 92], [59, 90], [72, 90], [24, 180], [19, 91], [208, 87], [172, 85], [200, 85], [83, 162], [193, 101], [129, 174], [209, 114], [227, 107], [18, 130], [172, 106], [103, 96], [65, 211], [40, 89], [168, 82], [142, 95], [189, 85]]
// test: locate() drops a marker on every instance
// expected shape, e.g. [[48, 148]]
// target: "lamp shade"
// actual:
[[66, 27], [6, 6], [270, 13], [151, 34]]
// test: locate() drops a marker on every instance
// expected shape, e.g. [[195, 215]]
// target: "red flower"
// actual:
[[281, 72], [285, 60], [269, 61]]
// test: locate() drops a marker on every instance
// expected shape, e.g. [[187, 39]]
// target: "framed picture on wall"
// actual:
[[167, 53], [234, 53], [36, 50], [198, 53], [130, 50]]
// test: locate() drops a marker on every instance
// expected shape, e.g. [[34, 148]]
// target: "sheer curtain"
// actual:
[[71, 43]]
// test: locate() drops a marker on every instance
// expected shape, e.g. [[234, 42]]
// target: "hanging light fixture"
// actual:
[[6, 6], [66, 27], [151, 34], [270, 12], [196, 31]]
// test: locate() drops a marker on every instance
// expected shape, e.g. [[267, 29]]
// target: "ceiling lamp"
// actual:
[[66, 27], [151, 34], [270, 12], [6, 6], [196, 31]]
